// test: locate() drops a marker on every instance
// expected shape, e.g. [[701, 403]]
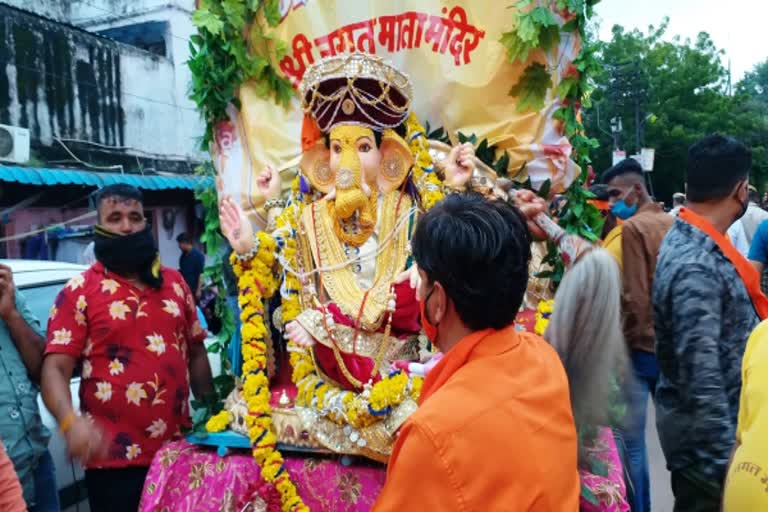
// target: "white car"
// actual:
[[40, 282]]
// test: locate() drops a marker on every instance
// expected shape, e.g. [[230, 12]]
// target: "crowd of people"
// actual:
[[666, 307]]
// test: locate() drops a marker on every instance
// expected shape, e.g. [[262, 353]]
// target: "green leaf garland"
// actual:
[[221, 61]]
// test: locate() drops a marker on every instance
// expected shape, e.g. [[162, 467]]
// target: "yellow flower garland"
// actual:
[[218, 422], [256, 280], [543, 312], [426, 180]]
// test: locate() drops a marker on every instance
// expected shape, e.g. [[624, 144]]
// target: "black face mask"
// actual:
[[744, 207], [129, 254]]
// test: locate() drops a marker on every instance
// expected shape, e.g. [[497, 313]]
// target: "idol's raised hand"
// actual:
[[269, 183], [235, 226], [460, 165], [532, 206]]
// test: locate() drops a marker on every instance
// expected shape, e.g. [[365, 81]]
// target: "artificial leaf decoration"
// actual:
[[486, 153], [220, 59], [205, 19], [566, 85], [235, 12], [438, 133], [531, 89], [272, 12], [544, 189], [501, 165], [535, 28]]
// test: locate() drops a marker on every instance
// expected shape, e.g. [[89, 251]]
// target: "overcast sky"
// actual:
[[737, 26]]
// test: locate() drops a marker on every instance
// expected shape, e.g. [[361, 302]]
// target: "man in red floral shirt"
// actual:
[[132, 325]]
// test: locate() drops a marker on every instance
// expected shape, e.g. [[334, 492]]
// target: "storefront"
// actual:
[[48, 213]]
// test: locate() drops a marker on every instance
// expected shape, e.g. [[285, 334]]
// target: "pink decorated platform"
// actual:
[[188, 478]]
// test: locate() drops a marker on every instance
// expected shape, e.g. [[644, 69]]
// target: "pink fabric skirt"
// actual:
[[188, 478], [609, 491]]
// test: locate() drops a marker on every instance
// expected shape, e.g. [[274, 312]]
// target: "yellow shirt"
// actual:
[[747, 483], [612, 244]]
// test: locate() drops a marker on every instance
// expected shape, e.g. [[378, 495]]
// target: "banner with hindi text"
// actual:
[[459, 70]]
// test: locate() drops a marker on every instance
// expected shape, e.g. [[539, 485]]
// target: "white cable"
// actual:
[[42, 230], [123, 148], [102, 167]]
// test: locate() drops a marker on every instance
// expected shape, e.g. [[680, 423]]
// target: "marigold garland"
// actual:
[[424, 177], [543, 313], [256, 280], [218, 422]]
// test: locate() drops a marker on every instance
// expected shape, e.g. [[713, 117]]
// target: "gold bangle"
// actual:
[[450, 189], [67, 422]]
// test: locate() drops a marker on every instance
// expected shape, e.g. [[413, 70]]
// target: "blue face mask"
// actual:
[[622, 210]]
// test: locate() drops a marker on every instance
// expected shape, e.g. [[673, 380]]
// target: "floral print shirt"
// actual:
[[132, 345]]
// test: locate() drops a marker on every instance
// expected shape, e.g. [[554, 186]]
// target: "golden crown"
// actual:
[[357, 88]]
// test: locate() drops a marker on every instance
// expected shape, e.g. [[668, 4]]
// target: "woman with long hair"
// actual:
[[585, 330]]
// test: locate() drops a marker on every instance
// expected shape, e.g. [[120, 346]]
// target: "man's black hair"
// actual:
[[121, 191], [478, 250], [716, 164], [626, 166], [185, 238], [601, 192]]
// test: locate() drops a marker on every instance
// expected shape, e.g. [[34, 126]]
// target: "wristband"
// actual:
[[67, 422]]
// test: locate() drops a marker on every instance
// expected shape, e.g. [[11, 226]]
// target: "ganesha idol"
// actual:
[[337, 253]]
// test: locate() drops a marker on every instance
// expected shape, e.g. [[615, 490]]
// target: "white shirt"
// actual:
[[752, 219], [738, 237]]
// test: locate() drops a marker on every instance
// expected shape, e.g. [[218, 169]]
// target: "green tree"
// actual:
[[755, 83], [668, 94], [751, 102]]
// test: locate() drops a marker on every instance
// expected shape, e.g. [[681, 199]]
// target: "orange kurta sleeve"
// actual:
[[11, 499], [417, 476]]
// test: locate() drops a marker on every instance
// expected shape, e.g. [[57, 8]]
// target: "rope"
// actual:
[[52, 226], [401, 223]]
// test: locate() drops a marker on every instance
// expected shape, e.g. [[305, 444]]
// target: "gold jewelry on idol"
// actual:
[[341, 284]]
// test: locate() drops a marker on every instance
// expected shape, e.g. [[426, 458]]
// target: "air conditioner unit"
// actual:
[[14, 144]]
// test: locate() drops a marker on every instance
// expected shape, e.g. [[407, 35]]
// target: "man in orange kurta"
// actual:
[[494, 430]]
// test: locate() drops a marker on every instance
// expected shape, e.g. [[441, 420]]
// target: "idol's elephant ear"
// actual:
[[396, 161], [316, 166]]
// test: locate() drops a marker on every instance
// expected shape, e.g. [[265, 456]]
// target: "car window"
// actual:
[[40, 299]]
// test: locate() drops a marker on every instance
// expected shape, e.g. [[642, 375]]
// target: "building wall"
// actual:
[[59, 10], [103, 11], [27, 219], [166, 241], [60, 81]]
